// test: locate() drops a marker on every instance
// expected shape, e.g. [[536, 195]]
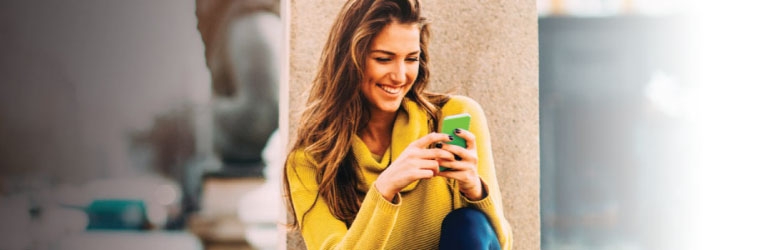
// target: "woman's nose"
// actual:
[[398, 73]]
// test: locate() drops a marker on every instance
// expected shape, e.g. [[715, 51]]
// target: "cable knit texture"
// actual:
[[413, 222]]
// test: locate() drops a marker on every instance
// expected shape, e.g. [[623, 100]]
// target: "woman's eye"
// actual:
[[412, 59], [382, 59]]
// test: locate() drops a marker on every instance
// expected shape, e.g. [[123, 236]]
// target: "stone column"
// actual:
[[487, 50]]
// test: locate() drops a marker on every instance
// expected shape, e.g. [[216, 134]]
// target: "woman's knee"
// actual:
[[467, 228], [465, 217]]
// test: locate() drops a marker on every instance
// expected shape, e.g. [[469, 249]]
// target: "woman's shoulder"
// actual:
[[461, 104], [301, 157]]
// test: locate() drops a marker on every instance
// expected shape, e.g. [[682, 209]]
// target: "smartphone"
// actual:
[[452, 122]]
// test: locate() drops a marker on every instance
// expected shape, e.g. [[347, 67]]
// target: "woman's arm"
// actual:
[[491, 204], [320, 229]]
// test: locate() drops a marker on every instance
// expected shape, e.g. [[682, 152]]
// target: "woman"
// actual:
[[364, 170]]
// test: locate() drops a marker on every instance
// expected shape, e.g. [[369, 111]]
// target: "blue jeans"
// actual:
[[467, 228]]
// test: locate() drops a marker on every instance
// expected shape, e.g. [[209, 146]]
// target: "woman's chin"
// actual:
[[389, 107]]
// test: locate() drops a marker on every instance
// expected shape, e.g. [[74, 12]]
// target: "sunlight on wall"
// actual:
[[729, 121], [609, 7]]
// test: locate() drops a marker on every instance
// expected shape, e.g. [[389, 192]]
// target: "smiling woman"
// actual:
[[364, 170], [391, 66]]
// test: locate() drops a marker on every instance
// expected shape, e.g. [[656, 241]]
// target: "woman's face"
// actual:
[[391, 66]]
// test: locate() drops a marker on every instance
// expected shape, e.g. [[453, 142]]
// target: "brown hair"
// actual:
[[336, 110]]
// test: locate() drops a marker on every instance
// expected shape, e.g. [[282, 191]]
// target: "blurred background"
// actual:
[[139, 124], [613, 138], [152, 125], [652, 118]]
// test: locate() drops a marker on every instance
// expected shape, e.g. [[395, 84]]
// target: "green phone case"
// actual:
[[452, 122]]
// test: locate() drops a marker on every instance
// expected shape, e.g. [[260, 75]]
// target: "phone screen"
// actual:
[[452, 122]]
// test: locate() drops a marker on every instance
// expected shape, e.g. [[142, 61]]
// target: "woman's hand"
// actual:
[[414, 163], [463, 167]]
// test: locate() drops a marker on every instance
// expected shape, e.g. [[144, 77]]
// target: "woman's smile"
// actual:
[[392, 90]]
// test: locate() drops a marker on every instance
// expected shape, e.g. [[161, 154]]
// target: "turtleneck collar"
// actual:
[[410, 124]]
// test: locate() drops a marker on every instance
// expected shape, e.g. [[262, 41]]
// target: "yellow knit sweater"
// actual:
[[414, 221]]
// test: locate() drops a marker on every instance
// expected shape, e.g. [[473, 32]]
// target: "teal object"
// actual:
[[117, 214]]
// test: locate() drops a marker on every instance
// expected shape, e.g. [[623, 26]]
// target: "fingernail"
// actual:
[[450, 138], [456, 157], [439, 145], [457, 131]]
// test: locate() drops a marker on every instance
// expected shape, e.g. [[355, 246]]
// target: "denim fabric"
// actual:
[[467, 228]]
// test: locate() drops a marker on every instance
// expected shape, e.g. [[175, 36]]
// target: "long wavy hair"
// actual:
[[336, 109]]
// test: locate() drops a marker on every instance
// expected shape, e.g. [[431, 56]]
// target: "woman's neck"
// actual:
[[377, 135]]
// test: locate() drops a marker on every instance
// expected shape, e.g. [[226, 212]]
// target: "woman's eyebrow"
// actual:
[[393, 53]]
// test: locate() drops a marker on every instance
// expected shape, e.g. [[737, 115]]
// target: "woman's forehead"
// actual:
[[397, 38]]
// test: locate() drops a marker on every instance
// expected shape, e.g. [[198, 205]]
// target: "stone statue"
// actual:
[[242, 45]]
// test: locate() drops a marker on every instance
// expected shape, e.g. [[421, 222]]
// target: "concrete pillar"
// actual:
[[487, 50]]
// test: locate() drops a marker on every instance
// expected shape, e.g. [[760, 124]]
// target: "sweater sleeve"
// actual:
[[492, 204], [320, 229]]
